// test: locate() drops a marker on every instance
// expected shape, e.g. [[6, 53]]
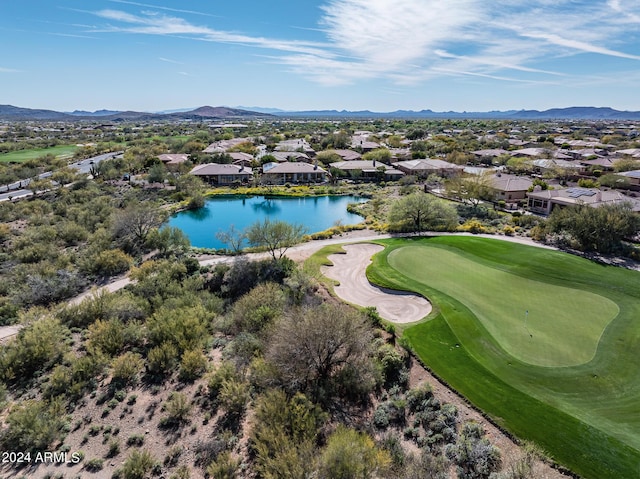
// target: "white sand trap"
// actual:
[[350, 270]]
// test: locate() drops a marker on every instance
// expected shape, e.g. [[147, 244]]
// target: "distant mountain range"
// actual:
[[14, 113]]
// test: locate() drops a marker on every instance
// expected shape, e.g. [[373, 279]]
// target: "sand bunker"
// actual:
[[349, 269]]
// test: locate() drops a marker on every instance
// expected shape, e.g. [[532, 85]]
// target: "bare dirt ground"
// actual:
[[350, 271]]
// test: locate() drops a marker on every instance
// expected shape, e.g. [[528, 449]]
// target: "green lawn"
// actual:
[[61, 151], [574, 388], [535, 322]]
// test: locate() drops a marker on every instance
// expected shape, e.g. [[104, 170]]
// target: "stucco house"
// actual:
[[222, 174], [425, 167], [544, 201], [292, 172], [368, 170], [509, 188]]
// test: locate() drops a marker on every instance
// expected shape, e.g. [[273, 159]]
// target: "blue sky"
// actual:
[[381, 55]]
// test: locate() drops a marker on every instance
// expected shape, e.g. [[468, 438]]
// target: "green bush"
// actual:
[[111, 262], [224, 467], [36, 348], [192, 365], [177, 409], [34, 425], [138, 465], [125, 368], [94, 465], [162, 359]]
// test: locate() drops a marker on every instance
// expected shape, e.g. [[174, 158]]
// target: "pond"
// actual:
[[316, 213]]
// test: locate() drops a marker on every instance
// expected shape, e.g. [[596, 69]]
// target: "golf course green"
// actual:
[[544, 342]]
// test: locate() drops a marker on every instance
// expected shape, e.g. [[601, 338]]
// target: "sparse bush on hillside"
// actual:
[[138, 465], [34, 426]]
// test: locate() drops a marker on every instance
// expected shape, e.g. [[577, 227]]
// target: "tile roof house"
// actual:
[[428, 166], [223, 145], [299, 144], [173, 159], [367, 169], [292, 172], [510, 188], [222, 174], [240, 158], [283, 156], [348, 155], [544, 201]]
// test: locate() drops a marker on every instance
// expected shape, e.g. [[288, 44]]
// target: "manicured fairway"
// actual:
[[536, 322], [574, 388], [61, 151]]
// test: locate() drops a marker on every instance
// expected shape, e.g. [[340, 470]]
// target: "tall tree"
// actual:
[[276, 236], [421, 212], [311, 347]]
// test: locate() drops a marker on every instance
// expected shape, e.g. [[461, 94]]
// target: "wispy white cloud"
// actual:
[[158, 7], [168, 60], [9, 70], [409, 41], [152, 23]]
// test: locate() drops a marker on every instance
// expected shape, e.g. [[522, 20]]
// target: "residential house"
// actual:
[[544, 165], [173, 160], [240, 158], [348, 155], [223, 174], [509, 188], [368, 170], [633, 177], [282, 156], [544, 201], [299, 144], [292, 172], [223, 146], [489, 156], [429, 166]]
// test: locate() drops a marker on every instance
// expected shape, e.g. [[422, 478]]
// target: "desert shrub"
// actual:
[[111, 262], [113, 449], [225, 372], [162, 359], [234, 396], [47, 287], [172, 456], [224, 467], [192, 365], [34, 425], [138, 464], [185, 328], [37, 347], [350, 455], [106, 336], [177, 409], [285, 435], [258, 308], [473, 455], [135, 440], [94, 465], [473, 226], [393, 365], [125, 368]]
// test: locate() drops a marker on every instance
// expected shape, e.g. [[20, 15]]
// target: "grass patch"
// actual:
[[536, 322], [587, 415], [61, 151]]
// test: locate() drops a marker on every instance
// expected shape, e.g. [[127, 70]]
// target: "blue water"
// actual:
[[316, 213]]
